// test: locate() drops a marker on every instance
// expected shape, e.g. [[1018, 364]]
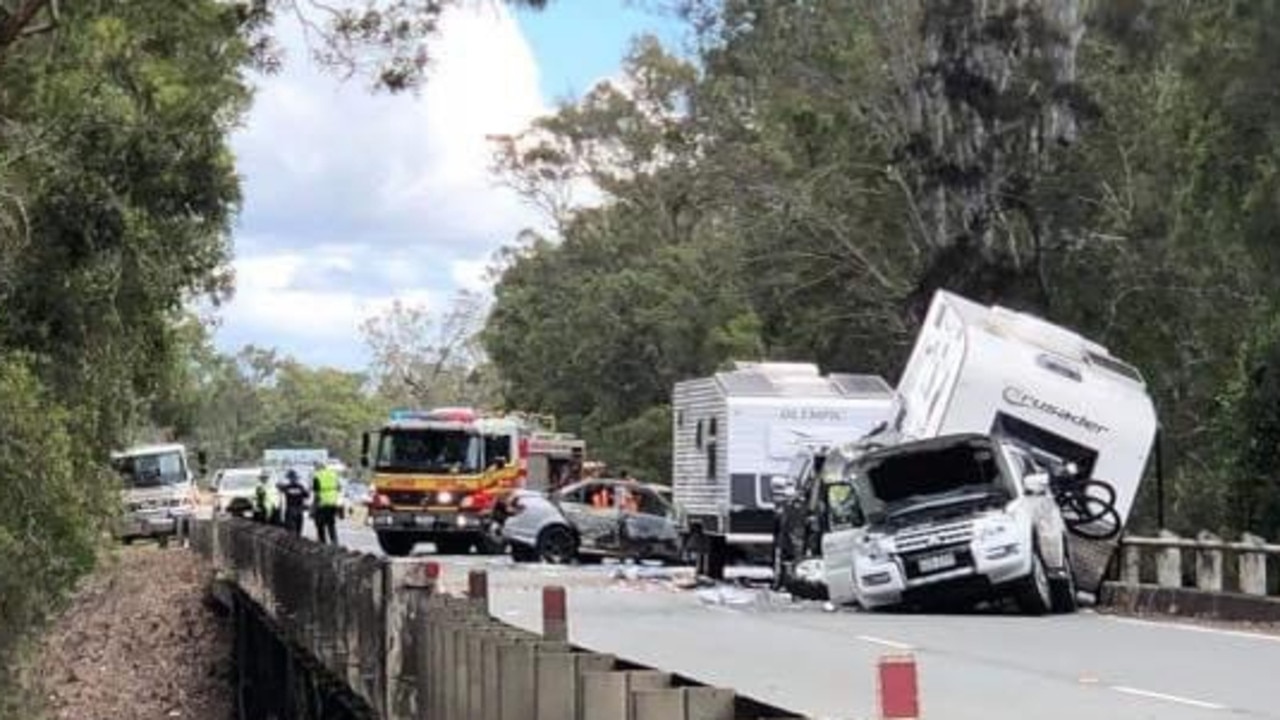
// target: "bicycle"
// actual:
[[1088, 506]]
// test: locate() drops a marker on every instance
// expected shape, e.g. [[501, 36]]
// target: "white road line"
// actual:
[[1168, 698], [887, 643], [1193, 628]]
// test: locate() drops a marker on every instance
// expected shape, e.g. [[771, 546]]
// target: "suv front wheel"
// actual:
[[1062, 590], [1034, 594]]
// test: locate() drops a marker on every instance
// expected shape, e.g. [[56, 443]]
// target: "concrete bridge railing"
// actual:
[[384, 628], [1204, 576]]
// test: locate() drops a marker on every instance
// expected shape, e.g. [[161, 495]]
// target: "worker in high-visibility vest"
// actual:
[[327, 490], [266, 502]]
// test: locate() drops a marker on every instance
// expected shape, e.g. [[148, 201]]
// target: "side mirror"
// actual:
[[364, 449], [1036, 483], [783, 487]]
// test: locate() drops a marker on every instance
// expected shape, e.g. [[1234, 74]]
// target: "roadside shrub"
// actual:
[[54, 501]]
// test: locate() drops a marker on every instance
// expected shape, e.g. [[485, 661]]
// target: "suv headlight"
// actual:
[[874, 549], [996, 530]]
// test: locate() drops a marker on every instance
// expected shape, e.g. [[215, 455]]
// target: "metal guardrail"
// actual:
[[411, 651], [1172, 561]]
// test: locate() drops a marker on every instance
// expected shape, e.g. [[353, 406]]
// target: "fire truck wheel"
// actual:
[[396, 545], [453, 546], [490, 545]]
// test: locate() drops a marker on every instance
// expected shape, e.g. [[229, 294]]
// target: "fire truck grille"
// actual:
[[407, 498]]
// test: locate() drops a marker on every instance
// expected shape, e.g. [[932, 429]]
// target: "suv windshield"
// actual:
[[909, 482], [431, 451], [142, 471]]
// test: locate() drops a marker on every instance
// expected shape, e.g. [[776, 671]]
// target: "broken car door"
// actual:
[[592, 510], [843, 527]]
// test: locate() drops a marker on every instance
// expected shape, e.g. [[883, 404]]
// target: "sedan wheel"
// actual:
[[557, 544]]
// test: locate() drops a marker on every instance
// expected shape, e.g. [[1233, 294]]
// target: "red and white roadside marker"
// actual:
[[555, 620], [898, 688]]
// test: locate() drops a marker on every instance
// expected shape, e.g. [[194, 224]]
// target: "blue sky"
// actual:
[[353, 201], [579, 41]]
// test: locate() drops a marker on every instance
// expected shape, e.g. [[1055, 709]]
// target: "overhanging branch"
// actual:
[[18, 24]]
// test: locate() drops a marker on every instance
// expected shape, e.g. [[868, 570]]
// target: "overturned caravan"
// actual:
[[1082, 414]]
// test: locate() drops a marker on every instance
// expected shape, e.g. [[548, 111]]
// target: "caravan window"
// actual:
[[1116, 366], [697, 435], [1058, 367]]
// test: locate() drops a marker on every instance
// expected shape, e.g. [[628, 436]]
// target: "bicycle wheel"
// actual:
[[1099, 491], [1081, 509], [1081, 504], [1104, 527]]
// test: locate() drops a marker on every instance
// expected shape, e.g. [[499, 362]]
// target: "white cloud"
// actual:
[[354, 199], [269, 300], [471, 275]]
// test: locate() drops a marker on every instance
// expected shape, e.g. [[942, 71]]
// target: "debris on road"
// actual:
[[138, 642]]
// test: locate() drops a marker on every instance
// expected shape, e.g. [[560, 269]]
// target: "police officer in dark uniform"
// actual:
[[295, 501]]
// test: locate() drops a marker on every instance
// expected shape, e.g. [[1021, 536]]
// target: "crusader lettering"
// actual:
[[1021, 398]]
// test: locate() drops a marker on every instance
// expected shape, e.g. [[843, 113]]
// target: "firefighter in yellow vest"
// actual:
[[327, 491]]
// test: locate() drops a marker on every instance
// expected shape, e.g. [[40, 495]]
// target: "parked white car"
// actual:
[[233, 489]]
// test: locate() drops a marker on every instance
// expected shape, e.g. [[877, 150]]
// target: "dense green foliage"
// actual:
[[799, 188], [117, 195], [118, 190]]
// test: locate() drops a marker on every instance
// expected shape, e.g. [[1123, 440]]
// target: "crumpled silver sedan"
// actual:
[[594, 518]]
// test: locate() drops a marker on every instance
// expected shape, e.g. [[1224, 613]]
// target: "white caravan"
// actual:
[[734, 430], [990, 370]]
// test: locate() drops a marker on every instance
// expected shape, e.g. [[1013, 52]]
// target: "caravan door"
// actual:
[[843, 525]]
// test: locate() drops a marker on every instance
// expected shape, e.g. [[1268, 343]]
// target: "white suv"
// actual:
[[951, 519]]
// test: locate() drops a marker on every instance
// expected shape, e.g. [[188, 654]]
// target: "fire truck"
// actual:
[[442, 475]]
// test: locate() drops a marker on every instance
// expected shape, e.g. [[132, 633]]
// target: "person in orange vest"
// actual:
[[602, 499]]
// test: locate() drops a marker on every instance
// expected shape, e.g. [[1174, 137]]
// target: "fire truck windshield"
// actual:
[[430, 451]]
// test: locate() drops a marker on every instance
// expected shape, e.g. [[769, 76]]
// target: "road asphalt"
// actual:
[[821, 662]]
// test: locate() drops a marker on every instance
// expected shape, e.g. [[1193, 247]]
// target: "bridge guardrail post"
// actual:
[[1131, 569], [682, 703], [1169, 562], [1253, 566], [1209, 562], [608, 695], [555, 617], [559, 681], [401, 581], [478, 590]]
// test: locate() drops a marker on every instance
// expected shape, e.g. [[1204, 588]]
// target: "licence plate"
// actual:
[[934, 563]]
